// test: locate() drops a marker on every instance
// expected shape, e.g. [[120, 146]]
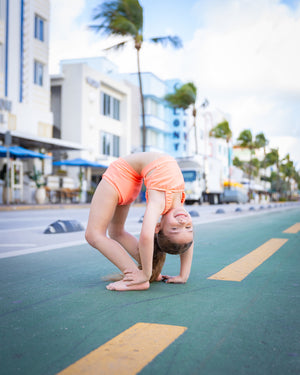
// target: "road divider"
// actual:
[[293, 229], [127, 353], [240, 269]]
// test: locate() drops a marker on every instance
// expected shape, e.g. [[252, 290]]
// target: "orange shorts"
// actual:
[[125, 180]]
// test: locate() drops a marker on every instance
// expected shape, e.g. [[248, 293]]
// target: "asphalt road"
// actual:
[[55, 309], [22, 231]]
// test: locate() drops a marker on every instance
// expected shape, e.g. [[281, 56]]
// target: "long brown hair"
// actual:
[[162, 246]]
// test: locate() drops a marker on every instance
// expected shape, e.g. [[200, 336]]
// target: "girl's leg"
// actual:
[[102, 211], [117, 232]]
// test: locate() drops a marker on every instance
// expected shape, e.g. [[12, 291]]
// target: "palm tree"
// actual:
[[184, 97], [125, 18], [222, 130], [272, 158], [288, 170], [246, 140], [262, 142]]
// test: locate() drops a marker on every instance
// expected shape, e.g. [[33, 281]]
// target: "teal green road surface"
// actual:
[[55, 308]]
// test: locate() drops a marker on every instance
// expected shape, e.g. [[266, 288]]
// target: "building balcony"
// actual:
[[157, 124]]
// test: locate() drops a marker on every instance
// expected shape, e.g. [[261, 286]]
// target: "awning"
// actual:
[[20, 152], [32, 141], [79, 163], [233, 183]]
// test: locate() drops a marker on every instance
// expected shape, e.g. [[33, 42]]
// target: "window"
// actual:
[[106, 105], [116, 146], [154, 108], [105, 144], [1, 58], [38, 73], [39, 28], [116, 109], [110, 106], [2, 11], [109, 144]]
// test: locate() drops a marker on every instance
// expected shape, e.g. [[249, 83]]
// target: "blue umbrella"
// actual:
[[21, 152], [79, 163]]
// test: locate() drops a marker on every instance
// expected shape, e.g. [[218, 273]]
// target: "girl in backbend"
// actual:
[[166, 228]]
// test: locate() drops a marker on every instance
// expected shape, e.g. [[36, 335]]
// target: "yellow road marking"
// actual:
[[293, 229], [240, 269], [127, 353]]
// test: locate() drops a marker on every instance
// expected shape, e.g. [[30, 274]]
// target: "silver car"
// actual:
[[234, 194]]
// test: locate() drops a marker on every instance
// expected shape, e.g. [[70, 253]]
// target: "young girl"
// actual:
[[119, 187]]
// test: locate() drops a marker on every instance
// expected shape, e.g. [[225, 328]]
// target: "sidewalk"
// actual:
[[50, 206]]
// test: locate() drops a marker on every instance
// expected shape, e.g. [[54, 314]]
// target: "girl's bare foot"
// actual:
[[121, 286], [159, 277]]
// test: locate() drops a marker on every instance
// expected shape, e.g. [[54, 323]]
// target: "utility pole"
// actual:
[[7, 142]]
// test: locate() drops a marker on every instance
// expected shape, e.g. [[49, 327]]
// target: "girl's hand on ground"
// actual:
[[133, 277], [173, 279]]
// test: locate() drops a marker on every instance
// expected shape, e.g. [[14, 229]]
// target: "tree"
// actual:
[[184, 97], [125, 18], [262, 142], [272, 158], [246, 140], [237, 163], [222, 130], [288, 170]]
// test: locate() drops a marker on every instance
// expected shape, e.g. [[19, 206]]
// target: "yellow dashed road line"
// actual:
[[240, 269], [127, 353], [293, 229]]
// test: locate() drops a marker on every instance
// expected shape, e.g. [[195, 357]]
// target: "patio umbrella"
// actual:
[[21, 152], [79, 163]]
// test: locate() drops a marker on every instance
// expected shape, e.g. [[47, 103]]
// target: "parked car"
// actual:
[[234, 194]]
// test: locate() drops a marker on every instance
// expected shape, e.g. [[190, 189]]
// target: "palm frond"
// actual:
[[222, 130], [117, 46], [122, 26], [174, 41], [119, 17], [183, 97], [245, 138]]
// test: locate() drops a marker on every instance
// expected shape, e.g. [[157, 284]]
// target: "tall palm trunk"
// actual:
[[195, 129], [138, 47], [250, 174], [229, 165]]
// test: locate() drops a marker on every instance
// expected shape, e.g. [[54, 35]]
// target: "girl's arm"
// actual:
[[146, 243], [185, 268]]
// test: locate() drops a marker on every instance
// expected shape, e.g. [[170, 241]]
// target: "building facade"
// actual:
[[93, 109], [166, 127], [24, 78], [25, 116]]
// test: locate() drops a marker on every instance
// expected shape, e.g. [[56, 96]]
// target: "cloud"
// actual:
[[243, 57], [246, 45]]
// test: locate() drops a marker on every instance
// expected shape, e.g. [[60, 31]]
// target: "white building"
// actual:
[[94, 109], [24, 77], [24, 80]]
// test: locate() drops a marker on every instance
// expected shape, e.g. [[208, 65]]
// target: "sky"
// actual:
[[242, 55]]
